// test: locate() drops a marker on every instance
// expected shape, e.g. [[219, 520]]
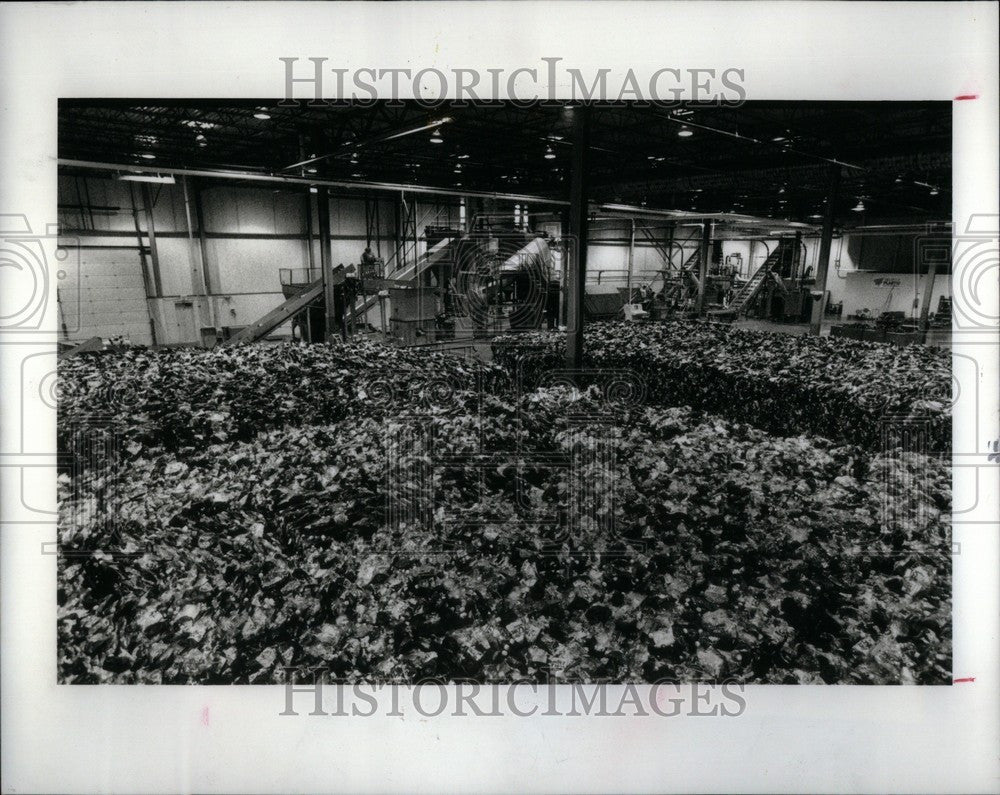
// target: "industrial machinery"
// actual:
[[487, 280], [778, 290]]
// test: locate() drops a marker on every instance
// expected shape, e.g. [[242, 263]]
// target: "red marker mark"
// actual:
[[966, 96], [204, 716], [965, 679]]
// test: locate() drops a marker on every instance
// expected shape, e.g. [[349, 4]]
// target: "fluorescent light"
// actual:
[[262, 114], [860, 208], [934, 191], [685, 132], [549, 154], [436, 137], [164, 179]]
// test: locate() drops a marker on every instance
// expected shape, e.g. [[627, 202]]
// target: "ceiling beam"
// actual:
[[307, 181]]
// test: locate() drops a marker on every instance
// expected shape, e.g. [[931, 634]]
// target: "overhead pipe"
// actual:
[[308, 181]]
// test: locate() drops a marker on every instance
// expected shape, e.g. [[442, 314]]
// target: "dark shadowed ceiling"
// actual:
[[762, 158]]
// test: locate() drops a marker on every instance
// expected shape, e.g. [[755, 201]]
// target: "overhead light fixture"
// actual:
[[262, 114], [934, 191], [357, 174], [313, 189], [200, 137], [779, 138], [815, 215], [549, 154], [859, 207], [163, 179], [310, 170], [463, 157], [685, 132], [435, 138], [199, 125], [899, 180], [148, 156]]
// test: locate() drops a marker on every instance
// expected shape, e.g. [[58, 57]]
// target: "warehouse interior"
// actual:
[[584, 393], [204, 223]]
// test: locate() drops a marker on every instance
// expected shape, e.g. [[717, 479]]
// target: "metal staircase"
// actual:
[[750, 290]]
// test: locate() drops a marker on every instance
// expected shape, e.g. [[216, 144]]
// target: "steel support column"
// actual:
[[154, 255], [825, 241], [578, 228], [703, 257], [333, 325], [147, 279], [198, 285], [631, 261], [206, 279], [798, 264], [310, 253], [925, 306]]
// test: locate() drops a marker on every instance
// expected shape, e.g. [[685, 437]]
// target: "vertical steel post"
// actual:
[[631, 262], [323, 211], [154, 254], [310, 254], [797, 263], [825, 241], [206, 280], [925, 306], [147, 279], [578, 227], [703, 255]]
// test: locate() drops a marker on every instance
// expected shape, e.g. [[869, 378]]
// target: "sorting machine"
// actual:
[[488, 280]]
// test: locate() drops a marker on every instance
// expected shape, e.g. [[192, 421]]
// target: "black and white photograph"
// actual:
[[495, 397], [592, 392]]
